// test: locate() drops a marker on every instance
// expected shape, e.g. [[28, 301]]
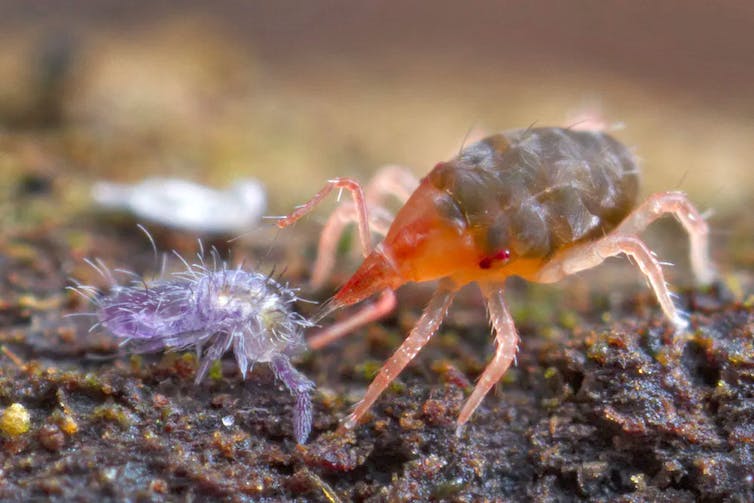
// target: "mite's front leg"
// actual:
[[389, 181], [345, 214], [366, 314], [427, 325], [359, 204], [392, 180]]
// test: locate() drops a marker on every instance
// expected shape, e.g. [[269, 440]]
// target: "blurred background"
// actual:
[[295, 92]]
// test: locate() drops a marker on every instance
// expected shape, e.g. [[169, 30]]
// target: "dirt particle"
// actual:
[[159, 400], [158, 486], [435, 411], [336, 453], [222, 400], [51, 437], [114, 413], [15, 420], [409, 422], [68, 424]]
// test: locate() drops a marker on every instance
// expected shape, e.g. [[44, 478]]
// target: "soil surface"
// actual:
[[600, 410]]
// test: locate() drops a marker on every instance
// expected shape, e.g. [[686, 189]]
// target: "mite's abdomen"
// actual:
[[538, 190]]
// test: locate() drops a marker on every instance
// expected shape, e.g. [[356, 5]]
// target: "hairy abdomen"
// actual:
[[536, 191]]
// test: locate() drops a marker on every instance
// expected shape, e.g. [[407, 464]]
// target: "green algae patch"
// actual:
[[216, 371], [115, 413]]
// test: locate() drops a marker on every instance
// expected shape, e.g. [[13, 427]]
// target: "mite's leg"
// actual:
[[506, 338], [589, 255], [389, 181], [427, 325], [589, 117], [678, 205], [358, 200], [379, 222], [367, 314]]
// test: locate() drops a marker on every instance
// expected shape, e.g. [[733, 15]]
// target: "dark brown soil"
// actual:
[[593, 411]]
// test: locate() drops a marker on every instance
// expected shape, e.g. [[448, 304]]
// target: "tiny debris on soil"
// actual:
[[595, 410]]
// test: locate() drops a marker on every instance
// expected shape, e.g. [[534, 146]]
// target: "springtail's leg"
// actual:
[[300, 387]]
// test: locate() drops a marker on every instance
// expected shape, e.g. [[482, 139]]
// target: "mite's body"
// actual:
[[537, 203], [504, 206]]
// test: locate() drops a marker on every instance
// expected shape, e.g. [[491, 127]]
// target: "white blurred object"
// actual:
[[181, 204]]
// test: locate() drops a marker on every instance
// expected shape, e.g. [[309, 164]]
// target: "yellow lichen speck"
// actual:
[[15, 420]]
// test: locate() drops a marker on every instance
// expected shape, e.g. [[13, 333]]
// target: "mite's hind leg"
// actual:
[[389, 181], [590, 116], [589, 255], [506, 338], [678, 205], [427, 325], [366, 314]]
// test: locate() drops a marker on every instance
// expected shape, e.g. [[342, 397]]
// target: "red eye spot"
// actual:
[[501, 256]]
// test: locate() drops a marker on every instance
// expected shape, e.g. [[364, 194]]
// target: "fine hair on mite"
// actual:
[[211, 308]]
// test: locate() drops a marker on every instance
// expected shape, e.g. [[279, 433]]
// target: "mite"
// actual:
[[539, 203]]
